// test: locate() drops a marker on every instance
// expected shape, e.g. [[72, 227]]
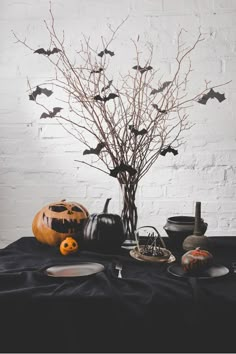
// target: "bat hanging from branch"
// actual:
[[154, 105], [111, 96], [162, 88], [136, 131], [212, 94], [169, 149], [51, 114], [97, 71], [47, 52], [107, 86], [142, 70], [106, 51], [39, 91], [95, 151], [123, 168]]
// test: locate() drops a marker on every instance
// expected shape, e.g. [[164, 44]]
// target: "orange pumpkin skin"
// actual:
[[68, 246], [55, 221], [196, 260]]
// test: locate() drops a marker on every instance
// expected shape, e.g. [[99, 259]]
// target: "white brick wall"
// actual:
[[37, 159]]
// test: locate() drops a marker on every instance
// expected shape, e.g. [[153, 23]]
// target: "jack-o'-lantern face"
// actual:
[[68, 246], [57, 220]]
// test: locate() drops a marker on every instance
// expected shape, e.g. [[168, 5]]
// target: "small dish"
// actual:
[[216, 270], [76, 270], [167, 258]]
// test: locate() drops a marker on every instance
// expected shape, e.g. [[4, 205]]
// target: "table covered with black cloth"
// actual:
[[148, 310]]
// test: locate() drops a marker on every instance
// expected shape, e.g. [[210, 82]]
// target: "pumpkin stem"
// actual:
[[106, 205]]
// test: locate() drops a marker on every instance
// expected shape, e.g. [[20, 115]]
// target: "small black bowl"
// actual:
[[179, 227]]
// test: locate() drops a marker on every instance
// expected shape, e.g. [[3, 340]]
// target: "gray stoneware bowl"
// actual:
[[179, 227]]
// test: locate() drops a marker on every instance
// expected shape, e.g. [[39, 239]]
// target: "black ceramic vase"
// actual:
[[197, 239], [179, 227]]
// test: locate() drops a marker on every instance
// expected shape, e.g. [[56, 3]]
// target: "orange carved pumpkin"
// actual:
[[56, 221], [68, 246], [196, 260]]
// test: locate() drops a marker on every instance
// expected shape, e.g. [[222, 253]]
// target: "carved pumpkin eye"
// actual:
[[57, 208], [65, 245], [75, 208], [74, 244]]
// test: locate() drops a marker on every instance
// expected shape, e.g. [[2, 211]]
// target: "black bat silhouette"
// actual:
[[162, 88], [123, 168], [47, 52], [97, 71], [212, 94], [106, 51], [39, 91], [51, 114], [169, 149], [142, 70], [136, 131], [95, 151], [107, 86], [105, 98], [154, 105]]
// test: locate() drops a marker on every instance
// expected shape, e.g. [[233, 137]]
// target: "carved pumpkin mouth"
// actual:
[[62, 225]]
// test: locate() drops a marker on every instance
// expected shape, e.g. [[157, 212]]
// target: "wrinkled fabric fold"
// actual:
[[148, 310]]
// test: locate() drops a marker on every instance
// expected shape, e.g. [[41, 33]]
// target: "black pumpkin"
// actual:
[[103, 232]]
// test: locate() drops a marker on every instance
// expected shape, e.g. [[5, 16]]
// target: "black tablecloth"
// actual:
[[149, 310]]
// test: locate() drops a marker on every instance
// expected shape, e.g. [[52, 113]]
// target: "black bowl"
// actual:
[[179, 227]]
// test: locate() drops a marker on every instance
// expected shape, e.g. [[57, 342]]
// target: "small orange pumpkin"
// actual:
[[68, 246], [55, 221]]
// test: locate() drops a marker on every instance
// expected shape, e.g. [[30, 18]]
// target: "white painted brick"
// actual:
[[225, 4], [227, 206], [150, 190], [183, 6], [173, 191], [230, 175], [151, 8], [230, 64], [217, 19], [37, 157], [211, 219], [200, 178], [226, 158]]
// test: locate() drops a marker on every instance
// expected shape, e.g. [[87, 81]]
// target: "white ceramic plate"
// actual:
[[76, 270]]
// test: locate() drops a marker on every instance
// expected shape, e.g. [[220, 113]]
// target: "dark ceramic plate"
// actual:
[[214, 271], [77, 270]]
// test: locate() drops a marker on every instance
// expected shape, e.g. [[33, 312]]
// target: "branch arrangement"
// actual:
[[134, 118]]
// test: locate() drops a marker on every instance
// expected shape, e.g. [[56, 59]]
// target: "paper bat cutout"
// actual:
[[137, 132], [97, 71], [105, 98], [169, 149], [106, 51], [163, 86], [107, 86], [123, 168], [95, 151], [212, 94], [51, 114], [154, 105], [47, 52], [39, 91], [142, 70]]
